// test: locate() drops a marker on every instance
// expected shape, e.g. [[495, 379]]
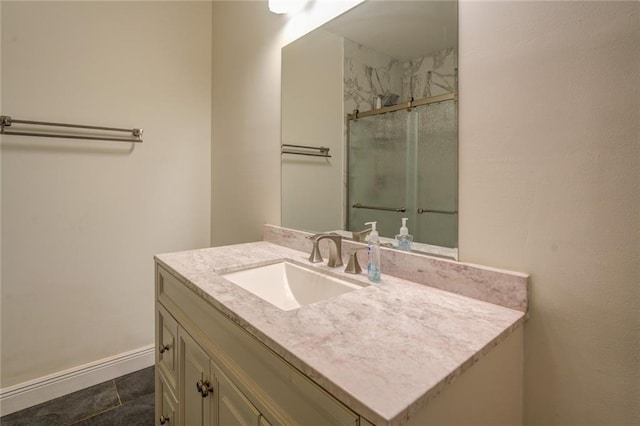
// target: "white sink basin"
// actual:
[[289, 286]]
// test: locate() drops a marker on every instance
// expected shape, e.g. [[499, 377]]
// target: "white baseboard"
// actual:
[[42, 389]]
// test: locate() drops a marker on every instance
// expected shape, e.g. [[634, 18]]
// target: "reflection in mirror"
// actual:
[[373, 94]]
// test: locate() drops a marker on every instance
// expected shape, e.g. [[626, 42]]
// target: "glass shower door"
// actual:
[[436, 204], [377, 172]]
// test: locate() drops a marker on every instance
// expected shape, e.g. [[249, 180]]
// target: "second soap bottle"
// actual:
[[404, 239]]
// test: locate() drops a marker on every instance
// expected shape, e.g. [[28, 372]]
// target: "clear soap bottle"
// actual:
[[404, 239], [373, 250]]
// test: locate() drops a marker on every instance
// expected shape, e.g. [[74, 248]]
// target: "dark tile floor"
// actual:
[[127, 400]]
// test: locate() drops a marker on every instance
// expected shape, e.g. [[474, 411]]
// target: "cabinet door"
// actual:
[[166, 338], [166, 402], [197, 395], [233, 407]]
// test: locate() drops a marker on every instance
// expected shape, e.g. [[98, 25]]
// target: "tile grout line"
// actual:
[[115, 385], [103, 411], [120, 404]]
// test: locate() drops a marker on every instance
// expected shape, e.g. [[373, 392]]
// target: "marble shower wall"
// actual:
[[369, 74], [430, 75]]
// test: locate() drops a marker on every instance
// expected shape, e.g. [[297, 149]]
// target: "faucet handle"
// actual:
[[359, 236], [315, 256], [353, 266]]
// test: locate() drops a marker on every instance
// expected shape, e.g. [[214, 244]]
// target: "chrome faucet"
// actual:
[[335, 249]]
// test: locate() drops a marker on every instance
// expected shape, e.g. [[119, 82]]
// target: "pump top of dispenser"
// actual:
[[403, 229], [374, 231]]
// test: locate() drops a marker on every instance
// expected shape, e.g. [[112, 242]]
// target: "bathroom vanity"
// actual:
[[397, 352]]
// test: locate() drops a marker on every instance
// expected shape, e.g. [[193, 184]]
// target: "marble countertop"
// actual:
[[384, 350]]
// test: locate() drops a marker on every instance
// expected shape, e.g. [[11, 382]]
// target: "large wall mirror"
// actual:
[[370, 124]]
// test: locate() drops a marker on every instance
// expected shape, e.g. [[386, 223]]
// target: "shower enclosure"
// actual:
[[404, 163]]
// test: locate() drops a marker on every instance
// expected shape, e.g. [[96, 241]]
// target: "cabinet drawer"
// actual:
[[279, 391]]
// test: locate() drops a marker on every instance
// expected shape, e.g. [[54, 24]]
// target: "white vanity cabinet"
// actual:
[[210, 371]]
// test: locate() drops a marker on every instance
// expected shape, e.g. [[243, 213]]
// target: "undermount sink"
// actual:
[[289, 286]]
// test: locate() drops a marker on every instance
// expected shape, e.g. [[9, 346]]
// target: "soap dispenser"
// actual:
[[404, 239], [373, 249]]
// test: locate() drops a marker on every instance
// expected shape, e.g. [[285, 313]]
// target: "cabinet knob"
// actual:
[[164, 420], [204, 387], [164, 348]]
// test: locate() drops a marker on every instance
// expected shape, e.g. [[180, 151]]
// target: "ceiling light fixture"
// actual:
[[286, 6]]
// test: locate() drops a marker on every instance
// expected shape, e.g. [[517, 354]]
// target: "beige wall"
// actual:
[[549, 185], [81, 220], [548, 181], [245, 147]]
